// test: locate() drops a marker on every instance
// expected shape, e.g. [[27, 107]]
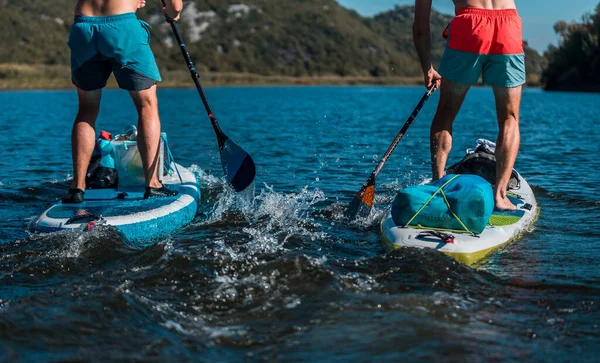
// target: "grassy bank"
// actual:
[[17, 76], [31, 76]]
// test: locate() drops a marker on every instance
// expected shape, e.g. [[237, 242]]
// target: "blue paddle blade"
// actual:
[[238, 166]]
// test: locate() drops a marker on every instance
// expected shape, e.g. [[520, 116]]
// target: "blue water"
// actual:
[[283, 276]]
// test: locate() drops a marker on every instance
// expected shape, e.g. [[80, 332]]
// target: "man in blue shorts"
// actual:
[[106, 38]]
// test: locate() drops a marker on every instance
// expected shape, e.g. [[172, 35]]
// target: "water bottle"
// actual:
[[131, 132]]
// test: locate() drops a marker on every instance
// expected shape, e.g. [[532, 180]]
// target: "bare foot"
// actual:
[[504, 204]]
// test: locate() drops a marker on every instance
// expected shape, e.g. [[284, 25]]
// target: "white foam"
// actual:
[[293, 302], [74, 248], [225, 332], [172, 325]]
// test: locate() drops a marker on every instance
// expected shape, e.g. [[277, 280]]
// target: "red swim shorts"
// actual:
[[487, 43]]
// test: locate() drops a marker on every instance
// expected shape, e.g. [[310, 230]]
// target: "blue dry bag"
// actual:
[[455, 202]]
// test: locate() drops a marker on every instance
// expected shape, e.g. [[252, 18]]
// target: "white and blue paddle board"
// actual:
[[140, 220]]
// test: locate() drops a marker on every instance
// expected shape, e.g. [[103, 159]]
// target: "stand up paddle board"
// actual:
[[123, 206], [468, 248]]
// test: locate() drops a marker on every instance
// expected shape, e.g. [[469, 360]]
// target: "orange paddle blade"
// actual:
[[363, 202]]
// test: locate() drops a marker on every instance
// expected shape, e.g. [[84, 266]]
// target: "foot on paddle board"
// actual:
[[121, 205], [436, 229], [74, 196], [161, 192]]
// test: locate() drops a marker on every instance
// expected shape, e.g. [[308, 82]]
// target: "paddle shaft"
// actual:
[[363, 202], [407, 124], [196, 77]]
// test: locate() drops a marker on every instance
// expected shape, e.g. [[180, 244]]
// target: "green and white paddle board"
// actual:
[[502, 228]]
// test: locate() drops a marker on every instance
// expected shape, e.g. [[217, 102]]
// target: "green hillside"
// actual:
[[296, 38]]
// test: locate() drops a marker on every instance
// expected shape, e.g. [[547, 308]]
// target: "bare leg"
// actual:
[[452, 95], [148, 132], [508, 101], [83, 135]]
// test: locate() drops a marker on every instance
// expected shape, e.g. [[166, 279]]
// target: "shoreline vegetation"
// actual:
[[257, 42], [42, 76], [273, 42], [575, 64]]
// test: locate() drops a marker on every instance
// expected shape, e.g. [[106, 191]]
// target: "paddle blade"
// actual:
[[238, 166], [361, 205]]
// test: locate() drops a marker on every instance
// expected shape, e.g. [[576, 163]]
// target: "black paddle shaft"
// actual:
[[407, 124], [221, 137], [362, 203]]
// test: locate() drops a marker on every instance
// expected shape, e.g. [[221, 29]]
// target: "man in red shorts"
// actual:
[[485, 38]]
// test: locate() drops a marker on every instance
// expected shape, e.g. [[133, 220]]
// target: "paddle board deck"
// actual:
[[140, 220]]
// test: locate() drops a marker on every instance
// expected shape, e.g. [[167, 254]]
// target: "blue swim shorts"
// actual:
[[119, 44]]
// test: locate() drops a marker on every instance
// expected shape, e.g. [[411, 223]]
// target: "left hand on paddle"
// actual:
[[141, 3]]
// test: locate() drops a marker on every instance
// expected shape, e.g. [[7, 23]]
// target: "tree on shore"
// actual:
[[575, 64]]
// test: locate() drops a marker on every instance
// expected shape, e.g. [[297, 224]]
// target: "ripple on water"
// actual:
[[277, 273]]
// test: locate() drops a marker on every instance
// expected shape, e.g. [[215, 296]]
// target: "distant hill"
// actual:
[[266, 37]]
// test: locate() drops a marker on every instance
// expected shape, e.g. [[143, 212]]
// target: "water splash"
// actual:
[[278, 217], [207, 180], [273, 218], [270, 218], [75, 247]]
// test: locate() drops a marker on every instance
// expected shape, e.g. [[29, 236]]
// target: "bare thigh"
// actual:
[[508, 103], [452, 96]]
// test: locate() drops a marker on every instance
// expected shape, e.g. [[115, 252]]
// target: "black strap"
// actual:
[[87, 216], [445, 237]]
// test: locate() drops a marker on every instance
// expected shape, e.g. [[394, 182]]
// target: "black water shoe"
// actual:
[[161, 192], [75, 196]]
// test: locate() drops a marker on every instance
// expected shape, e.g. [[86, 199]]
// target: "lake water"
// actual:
[[283, 277]]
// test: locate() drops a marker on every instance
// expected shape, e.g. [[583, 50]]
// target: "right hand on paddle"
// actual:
[[432, 77]]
